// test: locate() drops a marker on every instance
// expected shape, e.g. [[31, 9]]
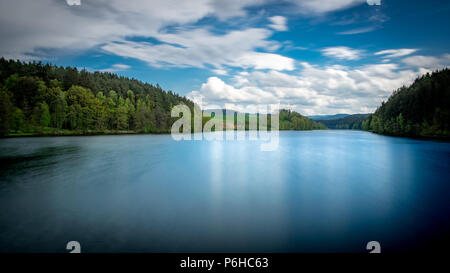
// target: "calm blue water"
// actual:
[[320, 191]]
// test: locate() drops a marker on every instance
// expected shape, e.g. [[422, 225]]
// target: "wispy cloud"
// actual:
[[198, 48], [342, 52], [357, 31], [116, 68], [278, 23], [220, 71], [30, 25], [392, 53], [374, 2], [320, 6], [73, 2], [429, 62]]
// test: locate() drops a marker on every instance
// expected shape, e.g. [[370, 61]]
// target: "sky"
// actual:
[[312, 56]]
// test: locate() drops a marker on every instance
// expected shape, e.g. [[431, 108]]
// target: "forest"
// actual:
[[353, 122], [40, 98], [44, 99], [420, 110], [288, 120], [291, 120]]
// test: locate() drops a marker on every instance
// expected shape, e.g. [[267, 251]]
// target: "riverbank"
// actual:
[[51, 132], [46, 132], [94, 133], [444, 138]]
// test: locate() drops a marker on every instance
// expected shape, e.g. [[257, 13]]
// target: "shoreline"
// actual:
[[115, 133], [100, 133], [112, 133]]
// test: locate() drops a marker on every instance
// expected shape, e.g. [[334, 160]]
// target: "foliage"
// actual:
[[288, 120], [420, 110], [353, 122], [6, 110], [34, 96], [291, 120]]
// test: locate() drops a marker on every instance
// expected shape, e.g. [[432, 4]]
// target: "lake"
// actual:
[[320, 191]]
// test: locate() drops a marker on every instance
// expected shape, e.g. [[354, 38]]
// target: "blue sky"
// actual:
[[312, 56]]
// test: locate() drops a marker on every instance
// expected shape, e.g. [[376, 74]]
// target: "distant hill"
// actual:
[[327, 117], [348, 122], [291, 120], [420, 110], [288, 120]]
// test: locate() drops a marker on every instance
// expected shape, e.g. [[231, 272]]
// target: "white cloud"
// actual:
[[312, 90], [260, 60], [374, 2], [220, 71], [29, 27], [323, 6], [392, 53], [425, 61], [198, 48], [278, 23], [116, 68], [215, 90], [73, 2], [357, 31], [342, 52]]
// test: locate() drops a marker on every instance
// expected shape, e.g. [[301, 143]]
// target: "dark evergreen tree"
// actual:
[[420, 110]]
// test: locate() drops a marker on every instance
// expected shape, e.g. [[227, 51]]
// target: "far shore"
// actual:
[[79, 133], [59, 133], [63, 133]]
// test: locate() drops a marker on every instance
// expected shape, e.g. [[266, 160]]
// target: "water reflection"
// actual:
[[319, 191]]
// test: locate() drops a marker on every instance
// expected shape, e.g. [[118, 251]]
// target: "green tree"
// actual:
[[18, 120], [81, 103], [421, 109], [45, 115], [130, 112], [59, 107], [6, 111]]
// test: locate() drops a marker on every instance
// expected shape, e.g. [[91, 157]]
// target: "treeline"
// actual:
[[353, 122], [420, 110], [291, 120], [288, 120], [37, 98]]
